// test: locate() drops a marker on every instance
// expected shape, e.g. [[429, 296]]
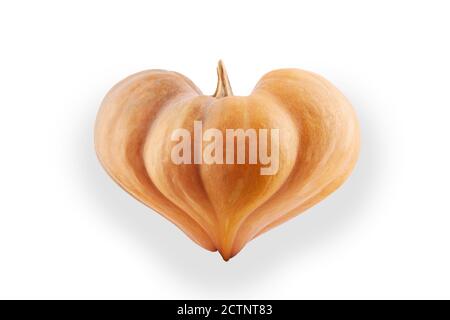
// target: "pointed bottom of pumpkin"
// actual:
[[225, 257], [227, 254]]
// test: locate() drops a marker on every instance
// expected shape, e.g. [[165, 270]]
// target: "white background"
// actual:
[[68, 231]]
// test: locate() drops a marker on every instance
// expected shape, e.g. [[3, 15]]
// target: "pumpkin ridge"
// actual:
[[242, 220], [141, 191], [250, 214], [206, 223], [310, 202], [327, 158]]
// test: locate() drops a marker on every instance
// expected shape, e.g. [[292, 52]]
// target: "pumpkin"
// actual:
[[222, 206]]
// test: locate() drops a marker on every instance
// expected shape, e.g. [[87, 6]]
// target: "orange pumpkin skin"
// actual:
[[219, 206]]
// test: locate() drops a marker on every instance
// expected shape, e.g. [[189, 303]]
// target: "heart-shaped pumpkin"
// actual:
[[222, 205]]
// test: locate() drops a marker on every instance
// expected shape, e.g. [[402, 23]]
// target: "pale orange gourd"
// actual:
[[222, 207]]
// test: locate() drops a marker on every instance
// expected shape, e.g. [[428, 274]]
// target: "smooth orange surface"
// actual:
[[222, 207]]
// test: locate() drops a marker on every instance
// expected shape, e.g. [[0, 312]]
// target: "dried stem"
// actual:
[[223, 84]]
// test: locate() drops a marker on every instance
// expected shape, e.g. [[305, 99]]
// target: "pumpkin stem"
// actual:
[[223, 84]]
